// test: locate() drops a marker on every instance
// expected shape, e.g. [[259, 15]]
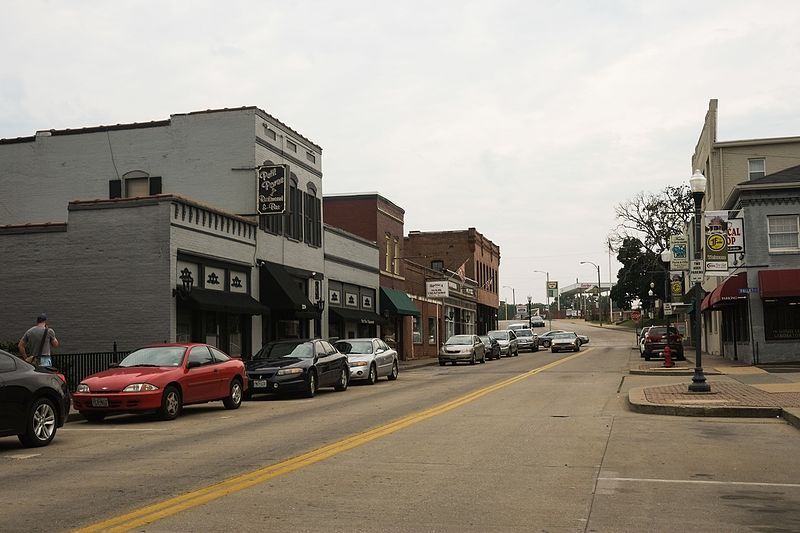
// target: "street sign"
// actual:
[[667, 308], [697, 266], [696, 277], [636, 315], [748, 290]]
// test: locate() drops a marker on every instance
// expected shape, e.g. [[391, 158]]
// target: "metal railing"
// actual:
[[76, 366]]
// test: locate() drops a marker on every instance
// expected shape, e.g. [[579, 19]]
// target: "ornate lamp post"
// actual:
[[599, 290], [697, 184]]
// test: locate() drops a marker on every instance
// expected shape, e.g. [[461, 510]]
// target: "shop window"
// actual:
[[781, 319], [783, 233], [735, 323], [417, 331], [432, 330]]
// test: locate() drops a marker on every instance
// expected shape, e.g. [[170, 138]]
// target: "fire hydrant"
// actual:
[[668, 357]]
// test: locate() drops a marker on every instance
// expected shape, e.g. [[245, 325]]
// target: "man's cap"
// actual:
[[41, 318]]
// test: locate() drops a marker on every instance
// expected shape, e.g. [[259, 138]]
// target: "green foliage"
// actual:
[[9, 346], [653, 217], [640, 268]]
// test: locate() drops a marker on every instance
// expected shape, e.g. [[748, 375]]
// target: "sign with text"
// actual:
[[716, 243], [676, 285], [271, 189], [552, 289], [437, 289], [679, 246]]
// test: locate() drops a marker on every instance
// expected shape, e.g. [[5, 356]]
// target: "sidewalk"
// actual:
[[737, 390]]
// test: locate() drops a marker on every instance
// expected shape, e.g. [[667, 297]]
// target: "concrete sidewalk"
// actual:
[[737, 390]]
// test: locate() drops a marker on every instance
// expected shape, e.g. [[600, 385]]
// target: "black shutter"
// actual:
[[115, 189], [155, 185]]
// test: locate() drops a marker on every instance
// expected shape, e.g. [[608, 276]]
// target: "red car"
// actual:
[[162, 378]]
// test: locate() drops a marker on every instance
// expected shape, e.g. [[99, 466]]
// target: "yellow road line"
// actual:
[[165, 508]]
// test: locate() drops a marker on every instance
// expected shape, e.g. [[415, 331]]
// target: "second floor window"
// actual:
[[437, 265], [293, 222], [784, 233], [756, 168]]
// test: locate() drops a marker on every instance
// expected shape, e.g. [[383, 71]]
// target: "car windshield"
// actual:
[[459, 339], [485, 339], [524, 333], [355, 347], [155, 356], [502, 335], [278, 350]]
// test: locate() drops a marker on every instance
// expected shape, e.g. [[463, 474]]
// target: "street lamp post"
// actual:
[[547, 295], [666, 257], [697, 184], [530, 324], [599, 310], [513, 299]]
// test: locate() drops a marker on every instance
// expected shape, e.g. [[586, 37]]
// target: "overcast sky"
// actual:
[[527, 120]]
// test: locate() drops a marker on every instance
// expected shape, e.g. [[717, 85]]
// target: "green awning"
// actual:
[[397, 303]]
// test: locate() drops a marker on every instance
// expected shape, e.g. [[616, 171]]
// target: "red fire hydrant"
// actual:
[[668, 357]]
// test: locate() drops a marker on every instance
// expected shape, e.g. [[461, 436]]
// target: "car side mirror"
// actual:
[[193, 364]]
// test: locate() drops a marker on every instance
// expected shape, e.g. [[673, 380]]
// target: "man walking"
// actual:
[[37, 341]]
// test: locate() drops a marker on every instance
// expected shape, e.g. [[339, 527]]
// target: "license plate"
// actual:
[[259, 383], [99, 402]]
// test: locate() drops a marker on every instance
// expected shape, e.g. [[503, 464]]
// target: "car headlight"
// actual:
[[358, 363], [82, 387], [140, 387], [289, 371]]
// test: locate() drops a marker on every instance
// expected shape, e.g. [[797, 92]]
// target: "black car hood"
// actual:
[[257, 365]]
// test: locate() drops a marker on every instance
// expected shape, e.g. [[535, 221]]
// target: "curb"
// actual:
[[638, 403], [660, 371], [792, 417]]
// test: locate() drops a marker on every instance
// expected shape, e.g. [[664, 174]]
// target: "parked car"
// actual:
[[509, 345], [515, 327], [527, 340], [655, 340], [491, 346], [462, 348], [584, 339], [370, 359], [566, 340], [546, 337], [163, 378], [297, 365], [34, 401], [537, 321]]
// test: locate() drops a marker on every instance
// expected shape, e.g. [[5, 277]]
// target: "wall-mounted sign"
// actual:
[[214, 278], [271, 189], [238, 282], [437, 289], [334, 297], [366, 301]]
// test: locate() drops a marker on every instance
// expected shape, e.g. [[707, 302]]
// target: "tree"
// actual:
[[640, 267], [653, 218]]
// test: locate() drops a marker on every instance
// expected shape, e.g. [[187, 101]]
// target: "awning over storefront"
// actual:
[[356, 315], [779, 283], [284, 292], [705, 305], [397, 302], [726, 293], [227, 302]]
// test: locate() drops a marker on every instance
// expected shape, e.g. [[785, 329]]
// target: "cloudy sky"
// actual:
[[528, 120]]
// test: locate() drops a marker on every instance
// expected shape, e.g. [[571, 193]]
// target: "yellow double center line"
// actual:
[[165, 508]]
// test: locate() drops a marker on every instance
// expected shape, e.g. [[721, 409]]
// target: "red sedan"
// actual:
[[162, 378]]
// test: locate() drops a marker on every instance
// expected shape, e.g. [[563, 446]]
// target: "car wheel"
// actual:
[[373, 375], [40, 426], [472, 358], [170, 404], [94, 417], [344, 380], [234, 399], [311, 385], [394, 373]]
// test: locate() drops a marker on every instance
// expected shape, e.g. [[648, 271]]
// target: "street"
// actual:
[[540, 442]]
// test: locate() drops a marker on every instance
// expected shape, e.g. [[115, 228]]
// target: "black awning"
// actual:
[[283, 291], [228, 302], [356, 315]]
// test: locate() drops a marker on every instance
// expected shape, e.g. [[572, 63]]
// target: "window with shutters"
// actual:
[[294, 212], [134, 184]]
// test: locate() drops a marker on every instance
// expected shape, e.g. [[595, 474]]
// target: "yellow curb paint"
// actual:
[[165, 508]]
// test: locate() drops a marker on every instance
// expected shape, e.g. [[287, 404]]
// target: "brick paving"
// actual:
[[722, 394]]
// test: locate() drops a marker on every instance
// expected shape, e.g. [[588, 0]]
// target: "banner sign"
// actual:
[[679, 246], [437, 289], [676, 285], [716, 243], [552, 289], [271, 189]]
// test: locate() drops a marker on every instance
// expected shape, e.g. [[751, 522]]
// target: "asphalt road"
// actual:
[[540, 442]]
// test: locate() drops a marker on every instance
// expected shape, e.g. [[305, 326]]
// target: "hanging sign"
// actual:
[[271, 189], [679, 246], [716, 243], [676, 285], [552, 289]]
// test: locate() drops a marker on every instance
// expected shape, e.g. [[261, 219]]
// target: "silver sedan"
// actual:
[[462, 348], [370, 359]]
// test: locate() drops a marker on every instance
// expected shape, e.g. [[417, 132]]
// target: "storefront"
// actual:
[[780, 296], [351, 311], [400, 312], [285, 291]]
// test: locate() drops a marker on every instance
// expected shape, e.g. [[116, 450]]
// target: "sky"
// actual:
[[528, 120]]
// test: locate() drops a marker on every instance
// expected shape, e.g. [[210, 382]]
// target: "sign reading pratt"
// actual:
[[437, 289], [716, 243], [679, 246], [271, 193]]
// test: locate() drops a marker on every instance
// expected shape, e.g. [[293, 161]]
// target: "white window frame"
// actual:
[[750, 170], [796, 232]]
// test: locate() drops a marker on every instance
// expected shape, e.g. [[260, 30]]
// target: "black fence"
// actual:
[[76, 366]]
